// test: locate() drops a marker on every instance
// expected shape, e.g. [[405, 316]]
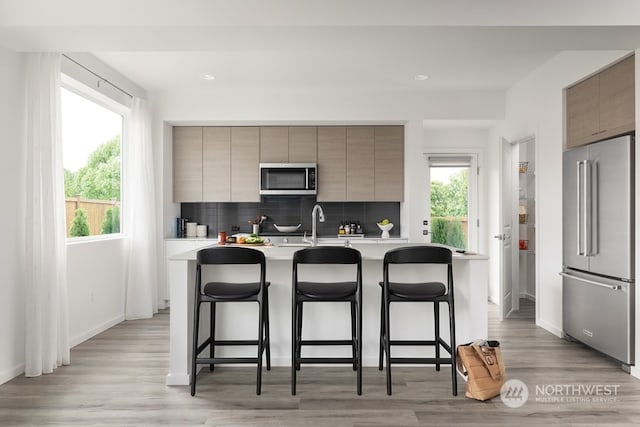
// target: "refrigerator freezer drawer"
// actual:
[[599, 313]]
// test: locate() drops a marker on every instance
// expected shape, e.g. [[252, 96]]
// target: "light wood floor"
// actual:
[[117, 379]]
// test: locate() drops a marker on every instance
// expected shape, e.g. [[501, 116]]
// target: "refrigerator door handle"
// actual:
[[591, 282], [580, 220], [588, 213]]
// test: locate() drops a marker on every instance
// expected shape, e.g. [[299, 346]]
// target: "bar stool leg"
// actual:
[[194, 349], [354, 338], [452, 342], [212, 329], [267, 341], [299, 336], [387, 343], [260, 346], [382, 332], [436, 323], [294, 345], [359, 338]]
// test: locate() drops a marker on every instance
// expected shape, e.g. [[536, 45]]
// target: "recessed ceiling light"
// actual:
[[209, 77], [421, 77]]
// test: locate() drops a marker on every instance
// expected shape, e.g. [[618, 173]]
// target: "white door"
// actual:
[[508, 295]]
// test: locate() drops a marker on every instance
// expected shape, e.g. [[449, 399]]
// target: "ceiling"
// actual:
[[358, 45]]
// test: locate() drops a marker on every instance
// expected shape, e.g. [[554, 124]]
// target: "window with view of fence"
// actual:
[[100, 215]]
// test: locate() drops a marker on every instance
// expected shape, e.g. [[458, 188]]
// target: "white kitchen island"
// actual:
[[327, 320]]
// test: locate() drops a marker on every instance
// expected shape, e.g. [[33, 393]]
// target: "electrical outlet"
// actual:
[[425, 232], [425, 222], [235, 228]]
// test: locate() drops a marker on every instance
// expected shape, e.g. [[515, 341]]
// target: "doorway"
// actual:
[[518, 227]]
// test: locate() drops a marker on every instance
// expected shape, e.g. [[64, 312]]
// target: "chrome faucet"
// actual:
[[317, 211]]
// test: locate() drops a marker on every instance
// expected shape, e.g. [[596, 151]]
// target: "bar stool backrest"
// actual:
[[418, 255], [327, 255], [232, 255]]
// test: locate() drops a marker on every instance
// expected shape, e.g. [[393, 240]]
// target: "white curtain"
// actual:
[[139, 215], [47, 318]]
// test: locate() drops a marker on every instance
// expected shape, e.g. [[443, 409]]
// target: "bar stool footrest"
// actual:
[[338, 360], [326, 342], [422, 360], [225, 360]]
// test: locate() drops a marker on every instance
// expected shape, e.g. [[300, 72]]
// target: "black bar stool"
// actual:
[[306, 291], [435, 292], [215, 292]]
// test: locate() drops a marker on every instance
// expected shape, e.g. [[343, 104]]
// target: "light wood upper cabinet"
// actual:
[[274, 145], [303, 144], [582, 111], [389, 163], [187, 164], [617, 98], [332, 164], [360, 164], [355, 163], [216, 156], [601, 106], [245, 161]]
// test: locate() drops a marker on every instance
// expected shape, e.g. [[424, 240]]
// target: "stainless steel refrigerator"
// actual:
[[598, 246]]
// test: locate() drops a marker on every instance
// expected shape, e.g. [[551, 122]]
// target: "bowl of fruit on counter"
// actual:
[[385, 226]]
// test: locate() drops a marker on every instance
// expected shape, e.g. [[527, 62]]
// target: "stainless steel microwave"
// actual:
[[288, 178]]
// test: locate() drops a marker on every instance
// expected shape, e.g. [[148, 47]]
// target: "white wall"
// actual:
[[95, 280], [12, 123], [534, 106]]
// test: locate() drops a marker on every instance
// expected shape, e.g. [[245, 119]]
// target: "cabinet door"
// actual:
[[274, 145], [332, 164], [245, 160], [360, 164], [303, 144], [187, 164], [216, 157], [582, 112], [389, 163], [617, 99]]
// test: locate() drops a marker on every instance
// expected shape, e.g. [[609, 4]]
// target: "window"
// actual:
[[91, 140], [451, 197]]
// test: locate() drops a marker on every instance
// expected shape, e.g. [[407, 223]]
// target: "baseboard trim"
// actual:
[[528, 296], [10, 374], [550, 328], [95, 331]]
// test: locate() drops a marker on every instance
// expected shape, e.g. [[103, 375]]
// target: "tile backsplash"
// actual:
[[294, 210]]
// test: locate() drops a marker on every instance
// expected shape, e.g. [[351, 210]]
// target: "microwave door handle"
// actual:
[[306, 178]]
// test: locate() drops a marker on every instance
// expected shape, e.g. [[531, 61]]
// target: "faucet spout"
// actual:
[[318, 213]]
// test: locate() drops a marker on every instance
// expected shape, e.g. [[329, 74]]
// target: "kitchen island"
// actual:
[[327, 320]]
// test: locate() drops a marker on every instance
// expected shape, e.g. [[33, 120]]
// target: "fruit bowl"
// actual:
[[287, 228], [385, 228]]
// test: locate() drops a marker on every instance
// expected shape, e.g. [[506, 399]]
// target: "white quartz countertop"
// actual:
[[369, 252]]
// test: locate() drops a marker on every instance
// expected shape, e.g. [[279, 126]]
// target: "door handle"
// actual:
[[591, 282], [501, 236]]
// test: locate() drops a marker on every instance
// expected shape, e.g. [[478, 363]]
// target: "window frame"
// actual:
[[81, 89], [473, 207]]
